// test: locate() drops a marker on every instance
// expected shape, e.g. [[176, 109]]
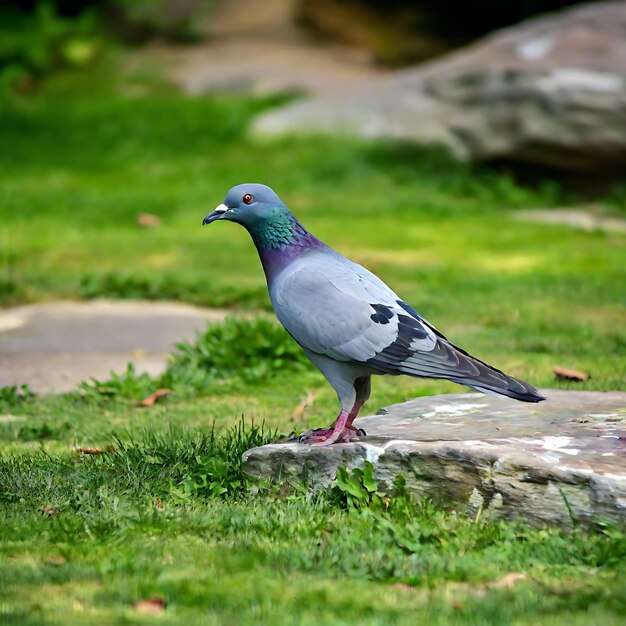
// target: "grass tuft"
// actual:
[[254, 350], [177, 464]]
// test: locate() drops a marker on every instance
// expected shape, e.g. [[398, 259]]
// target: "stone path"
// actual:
[[543, 463], [52, 347], [585, 218]]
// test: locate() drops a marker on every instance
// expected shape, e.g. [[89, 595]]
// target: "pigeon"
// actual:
[[349, 323]]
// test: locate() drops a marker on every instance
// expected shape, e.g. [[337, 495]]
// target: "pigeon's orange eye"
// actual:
[[248, 198]]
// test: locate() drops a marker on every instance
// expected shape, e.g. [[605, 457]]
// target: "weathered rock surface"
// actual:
[[544, 463], [53, 346], [551, 90]]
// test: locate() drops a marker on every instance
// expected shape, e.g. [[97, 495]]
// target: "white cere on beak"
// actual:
[[222, 208]]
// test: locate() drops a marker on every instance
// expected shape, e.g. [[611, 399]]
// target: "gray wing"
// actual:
[[337, 308]]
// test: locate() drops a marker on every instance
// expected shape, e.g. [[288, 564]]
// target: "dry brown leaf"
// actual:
[[298, 412], [564, 373], [508, 581], [148, 220], [95, 451], [50, 511], [154, 396], [151, 606]]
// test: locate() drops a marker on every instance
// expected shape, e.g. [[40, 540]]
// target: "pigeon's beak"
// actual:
[[211, 217]]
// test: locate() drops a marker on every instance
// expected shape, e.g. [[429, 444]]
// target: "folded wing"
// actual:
[[337, 308]]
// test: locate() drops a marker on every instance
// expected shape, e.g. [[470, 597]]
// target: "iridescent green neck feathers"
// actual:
[[278, 230]]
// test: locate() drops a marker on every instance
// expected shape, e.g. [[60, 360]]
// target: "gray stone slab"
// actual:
[[53, 346], [548, 463]]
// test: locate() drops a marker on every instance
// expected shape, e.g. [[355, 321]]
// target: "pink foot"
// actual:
[[328, 436]]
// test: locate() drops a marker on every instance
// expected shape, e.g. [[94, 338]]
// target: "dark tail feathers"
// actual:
[[529, 394], [495, 382]]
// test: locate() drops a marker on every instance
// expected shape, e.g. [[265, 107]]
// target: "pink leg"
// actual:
[[342, 430], [354, 412]]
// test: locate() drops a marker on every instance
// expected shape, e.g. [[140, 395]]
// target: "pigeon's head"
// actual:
[[249, 204]]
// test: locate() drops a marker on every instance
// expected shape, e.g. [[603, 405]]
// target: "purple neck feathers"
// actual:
[[279, 243]]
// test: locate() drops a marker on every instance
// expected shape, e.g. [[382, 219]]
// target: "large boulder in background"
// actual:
[[550, 91]]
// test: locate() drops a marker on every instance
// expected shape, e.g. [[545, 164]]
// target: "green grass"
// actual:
[[168, 511]]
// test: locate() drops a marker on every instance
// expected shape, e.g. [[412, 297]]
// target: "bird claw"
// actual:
[[327, 436]]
